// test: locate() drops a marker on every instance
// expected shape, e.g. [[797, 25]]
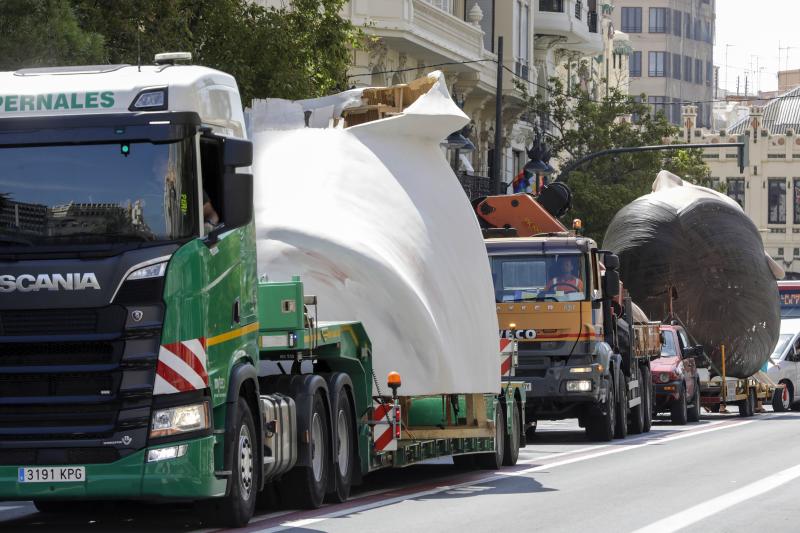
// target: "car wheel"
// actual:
[[693, 412], [781, 399], [678, 412]]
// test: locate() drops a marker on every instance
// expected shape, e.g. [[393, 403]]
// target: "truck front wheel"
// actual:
[[511, 452], [305, 485], [600, 426], [621, 430], [236, 509]]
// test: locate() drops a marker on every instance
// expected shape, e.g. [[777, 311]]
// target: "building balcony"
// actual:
[[421, 28], [572, 25]]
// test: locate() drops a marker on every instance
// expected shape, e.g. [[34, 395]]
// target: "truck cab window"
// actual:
[[556, 277], [211, 169]]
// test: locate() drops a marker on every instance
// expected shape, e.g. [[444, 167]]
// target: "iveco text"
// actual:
[[50, 282]]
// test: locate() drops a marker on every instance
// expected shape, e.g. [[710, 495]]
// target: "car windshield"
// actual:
[[557, 277], [783, 340], [790, 303], [97, 193], [668, 345]]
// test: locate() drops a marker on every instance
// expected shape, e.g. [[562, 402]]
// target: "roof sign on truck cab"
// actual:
[[20, 103]]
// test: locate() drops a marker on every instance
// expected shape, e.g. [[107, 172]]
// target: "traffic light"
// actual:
[[744, 152]]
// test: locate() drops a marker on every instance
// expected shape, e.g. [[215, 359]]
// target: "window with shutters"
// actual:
[[657, 64], [635, 65], [632, 19]]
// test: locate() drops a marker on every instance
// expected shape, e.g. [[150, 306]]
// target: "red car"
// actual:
[[675, 379]]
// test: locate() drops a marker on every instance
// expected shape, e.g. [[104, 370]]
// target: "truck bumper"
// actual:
[[554, 386], [188, 477]]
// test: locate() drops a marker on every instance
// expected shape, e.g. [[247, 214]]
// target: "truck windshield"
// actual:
[[790, 302], [97, 193], [558, 277]]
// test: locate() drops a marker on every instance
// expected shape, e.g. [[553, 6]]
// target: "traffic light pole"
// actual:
[[498, 123], [742, 157]]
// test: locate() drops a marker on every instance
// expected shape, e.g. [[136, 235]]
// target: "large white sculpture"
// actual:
[[375, 222]]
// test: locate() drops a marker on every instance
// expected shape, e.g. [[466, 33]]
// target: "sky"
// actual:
[[755, 30]]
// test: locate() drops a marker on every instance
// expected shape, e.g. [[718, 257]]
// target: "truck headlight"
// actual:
[[663, 377], [180, 419], [579, 385]]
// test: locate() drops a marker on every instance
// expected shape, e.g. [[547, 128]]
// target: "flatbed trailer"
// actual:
[[746, 393]]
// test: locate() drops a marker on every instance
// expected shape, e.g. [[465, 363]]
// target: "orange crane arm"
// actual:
[[519, 211]]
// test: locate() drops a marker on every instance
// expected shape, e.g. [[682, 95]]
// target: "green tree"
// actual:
[[38, 33], [580, 126], [300, 51]]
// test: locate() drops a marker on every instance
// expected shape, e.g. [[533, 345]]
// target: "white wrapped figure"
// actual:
[[353, 194]]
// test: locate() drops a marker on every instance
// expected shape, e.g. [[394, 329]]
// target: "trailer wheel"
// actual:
[[494, 460], [780, 399], [305, 485], [747, 407], [600, 426], [621, 429], [511, 451], [678, 412], [346, 457], [236, 509], [647, 398], [637, 411], [693, 413]]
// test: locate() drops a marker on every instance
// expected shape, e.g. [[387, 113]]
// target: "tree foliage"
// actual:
[[299, 51], [580, 126], [40, 33]]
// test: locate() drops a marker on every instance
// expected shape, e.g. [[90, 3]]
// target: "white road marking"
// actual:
[[493, 477], [713, 506]]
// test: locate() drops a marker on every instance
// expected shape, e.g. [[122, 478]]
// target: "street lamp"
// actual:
[[538, 164]]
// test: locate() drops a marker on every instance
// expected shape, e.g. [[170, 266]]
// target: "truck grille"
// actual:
[[67, 390]]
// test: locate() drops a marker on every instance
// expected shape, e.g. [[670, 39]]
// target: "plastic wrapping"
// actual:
[[701, 244], [376, 224]]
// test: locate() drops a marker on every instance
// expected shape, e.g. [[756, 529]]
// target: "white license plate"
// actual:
[[528, 387], [51, 474]]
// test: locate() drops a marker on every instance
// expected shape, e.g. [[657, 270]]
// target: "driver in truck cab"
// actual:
[[565, 280]]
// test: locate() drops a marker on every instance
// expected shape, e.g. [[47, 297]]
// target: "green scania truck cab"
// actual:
[[140, 355]]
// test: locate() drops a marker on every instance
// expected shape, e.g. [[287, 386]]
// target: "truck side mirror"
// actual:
[[237, 153], [610, 284], [238, 200], [611, 261]]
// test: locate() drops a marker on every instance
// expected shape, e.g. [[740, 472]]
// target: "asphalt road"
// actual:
[[717, 475]]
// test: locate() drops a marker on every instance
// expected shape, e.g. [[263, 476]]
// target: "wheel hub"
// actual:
[[245, 462]]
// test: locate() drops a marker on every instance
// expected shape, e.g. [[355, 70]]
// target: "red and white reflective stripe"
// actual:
[[182, 366], [506, 357], [383, 435]]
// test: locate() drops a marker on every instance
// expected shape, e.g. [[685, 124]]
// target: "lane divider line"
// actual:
[[303, 519], [716, 505]]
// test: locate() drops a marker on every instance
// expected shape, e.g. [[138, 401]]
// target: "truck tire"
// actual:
[[511, 452], [621, 429], [637, 411], [747, 407], [236, 509], [346, 457], [781, 399], [693, 412], [304, 486], [647, 397], [494, 460], [600, 426], [678, 413]]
